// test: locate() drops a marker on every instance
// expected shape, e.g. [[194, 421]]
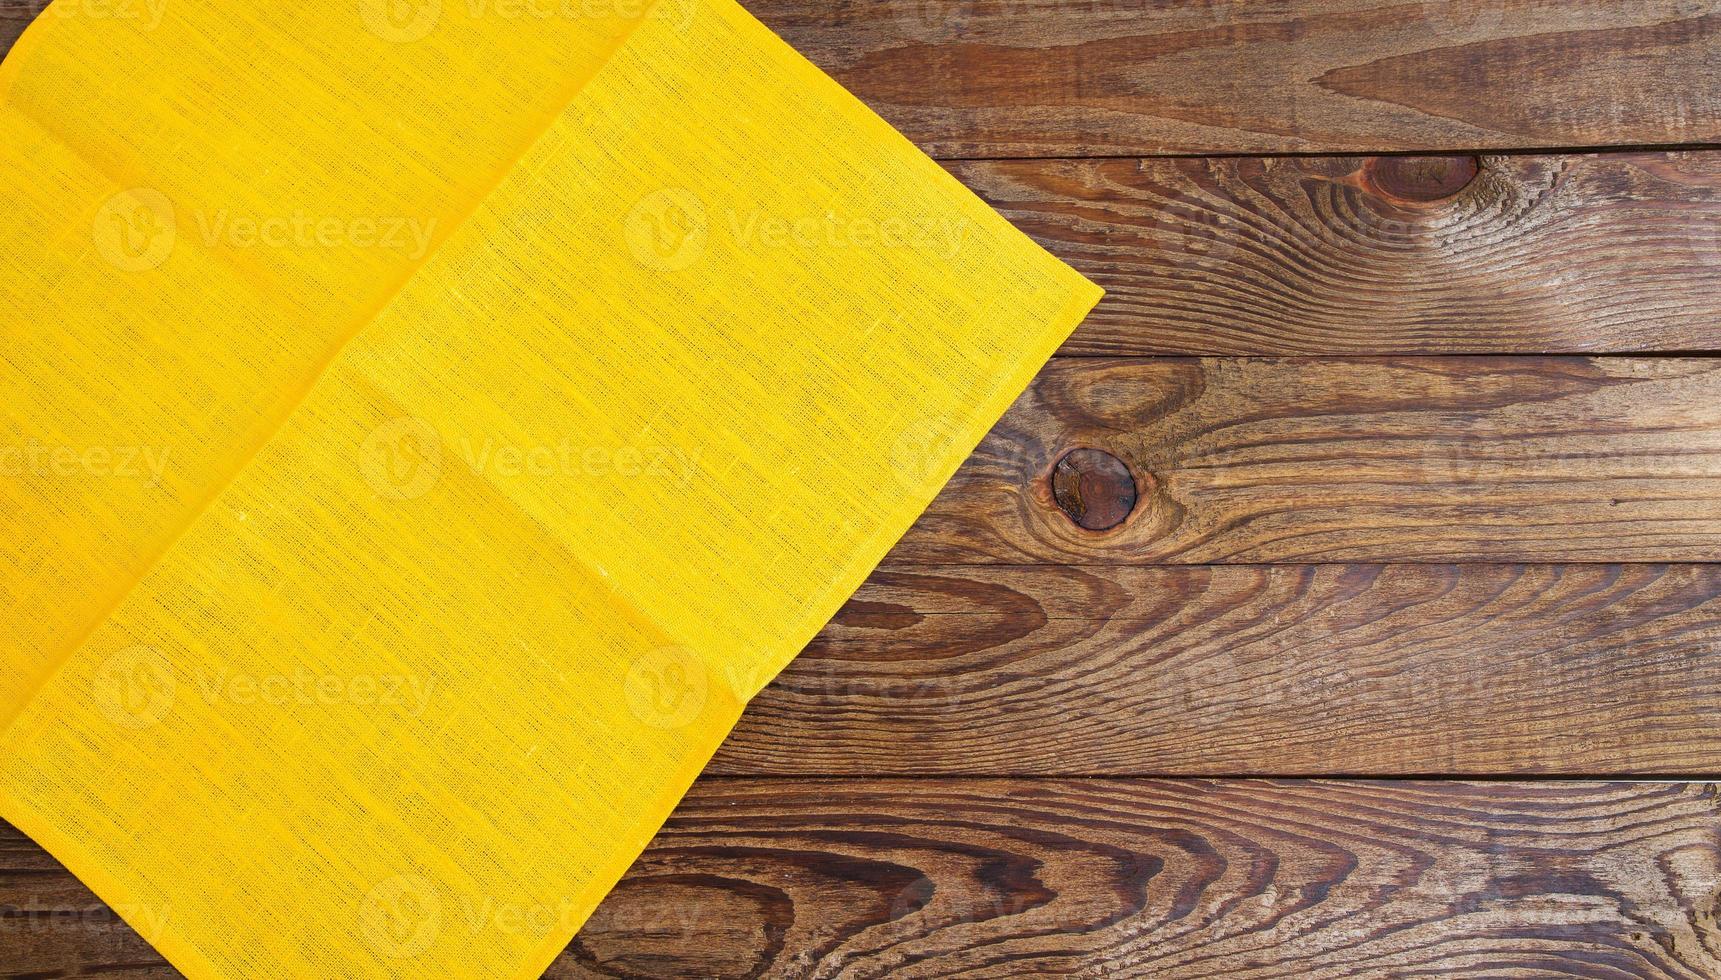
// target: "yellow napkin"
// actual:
[[427, 423]]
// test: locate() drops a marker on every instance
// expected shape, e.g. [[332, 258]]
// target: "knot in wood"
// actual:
[[1094, 489], [1420, 180]]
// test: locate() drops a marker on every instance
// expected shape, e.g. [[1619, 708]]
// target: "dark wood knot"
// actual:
[[1094, 488], [1420, 180]]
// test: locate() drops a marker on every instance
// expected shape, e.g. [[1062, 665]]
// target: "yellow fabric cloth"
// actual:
[[426, 424]]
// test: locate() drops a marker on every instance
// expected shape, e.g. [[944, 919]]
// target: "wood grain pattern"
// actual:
[[1047, 78], [14, 17], [1384, 670], [1419, 459], [1243, 879], [1616, 252], [1103, 878]]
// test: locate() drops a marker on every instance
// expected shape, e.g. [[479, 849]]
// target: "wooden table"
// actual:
[[1338, 603]]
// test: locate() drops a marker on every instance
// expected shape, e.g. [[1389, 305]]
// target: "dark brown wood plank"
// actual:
[[1047, 78], [14, 17], [1421, 459], [999, 878], [1008, 878], [1383, 670], [1615, 252]]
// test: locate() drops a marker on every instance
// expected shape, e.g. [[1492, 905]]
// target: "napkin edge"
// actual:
[[75, 857], [1084, 295]]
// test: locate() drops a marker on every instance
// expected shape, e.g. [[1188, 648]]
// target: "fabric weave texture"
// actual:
[[427, 425]]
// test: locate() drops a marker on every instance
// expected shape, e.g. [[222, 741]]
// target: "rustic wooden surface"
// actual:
[[1053, 734], [1380, 255], [1009, 878], [1165, 879], [1053, 78], [13, 19], [1377, 459], [1283, 669]]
